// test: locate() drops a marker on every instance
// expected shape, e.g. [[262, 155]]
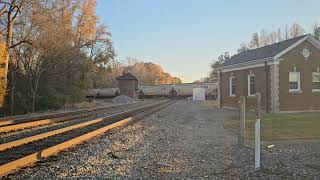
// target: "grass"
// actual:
[[210, 103], [279, 126]]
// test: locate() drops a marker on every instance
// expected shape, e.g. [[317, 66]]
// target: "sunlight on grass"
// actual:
[[279, 126]]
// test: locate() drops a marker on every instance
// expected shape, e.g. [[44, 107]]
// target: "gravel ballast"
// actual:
[[122, 99], [183, 141]]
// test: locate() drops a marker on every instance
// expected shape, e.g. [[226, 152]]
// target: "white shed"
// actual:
[[199, 94]]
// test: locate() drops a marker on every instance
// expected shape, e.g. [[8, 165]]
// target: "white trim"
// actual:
[[244, 66], [230, 108], [270, 60], [290, 47], [230, 86], [310, 38], [298, 111], [295, 91], [249, 91], [314, 42], [316, 73], [299, 83]]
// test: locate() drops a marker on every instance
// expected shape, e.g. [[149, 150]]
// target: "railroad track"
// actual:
[[30, 149], [33, 127], [14, 124], [61, 122]]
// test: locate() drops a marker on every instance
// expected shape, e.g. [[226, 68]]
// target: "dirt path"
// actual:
[[188, 143]]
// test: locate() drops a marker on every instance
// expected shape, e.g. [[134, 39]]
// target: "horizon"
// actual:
[[159, 32]]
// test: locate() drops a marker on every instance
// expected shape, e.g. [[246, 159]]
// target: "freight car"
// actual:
[[177, 90], [164, 90], [103, 93]]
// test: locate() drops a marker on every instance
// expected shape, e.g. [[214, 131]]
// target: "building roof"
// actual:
[[263, 52], [127, 76]]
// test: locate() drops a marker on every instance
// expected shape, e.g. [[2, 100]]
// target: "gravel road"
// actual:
[[183, 141]]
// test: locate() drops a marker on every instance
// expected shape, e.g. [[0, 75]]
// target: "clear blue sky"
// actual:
[[184, 36]]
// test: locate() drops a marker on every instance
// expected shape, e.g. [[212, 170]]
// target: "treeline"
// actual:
[[266, 37], [147, 73], [55, 49], [262, 39]]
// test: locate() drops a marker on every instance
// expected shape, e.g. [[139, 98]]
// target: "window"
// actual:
[[316, 81], [294, 81], [232, 85], [251, 85]]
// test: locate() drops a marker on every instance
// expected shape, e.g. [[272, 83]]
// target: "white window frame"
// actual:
[[315, 90], [299, 82], [230, 86], [249, 91]]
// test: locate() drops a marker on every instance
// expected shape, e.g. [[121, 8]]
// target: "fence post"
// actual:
[[257, 133], [242, 107]]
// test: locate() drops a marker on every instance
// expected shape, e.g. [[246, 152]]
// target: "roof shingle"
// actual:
[[263, 52], [127, 76]]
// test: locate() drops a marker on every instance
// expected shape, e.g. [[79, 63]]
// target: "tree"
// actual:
[[267, 38], [316, 31], [296, 30], [280, 38], [264, 38], [274, 37], [243, 47], [10, 11], [286, 33], [213, 75], [255, 41], [56, 48], [147, 73]]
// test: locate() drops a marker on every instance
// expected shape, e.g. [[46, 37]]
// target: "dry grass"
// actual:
[[279, 126], [210, 103]]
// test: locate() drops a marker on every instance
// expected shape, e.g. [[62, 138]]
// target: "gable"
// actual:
[[302, 50], [296, 55], [265, 52]]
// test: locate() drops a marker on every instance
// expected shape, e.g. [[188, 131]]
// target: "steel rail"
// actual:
[[29, 123], [14, 159], [37, 137], [18, 120]]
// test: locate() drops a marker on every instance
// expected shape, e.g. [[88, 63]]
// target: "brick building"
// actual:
[[128, 85], [287, 74]]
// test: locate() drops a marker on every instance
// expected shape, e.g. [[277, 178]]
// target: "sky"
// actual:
[[185, 36]]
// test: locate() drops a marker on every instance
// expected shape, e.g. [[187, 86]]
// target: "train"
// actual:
[[182, 90]]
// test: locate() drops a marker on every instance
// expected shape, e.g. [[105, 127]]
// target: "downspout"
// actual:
[[267, 86]]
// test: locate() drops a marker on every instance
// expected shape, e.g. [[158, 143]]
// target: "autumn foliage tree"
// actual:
[[265, 37], [147, 73], [57, 45]]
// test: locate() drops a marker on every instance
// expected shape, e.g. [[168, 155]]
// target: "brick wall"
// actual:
[[128, 87], [306, 99], [241, 76]]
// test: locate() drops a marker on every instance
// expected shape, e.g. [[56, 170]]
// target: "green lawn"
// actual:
[[279, 126]]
